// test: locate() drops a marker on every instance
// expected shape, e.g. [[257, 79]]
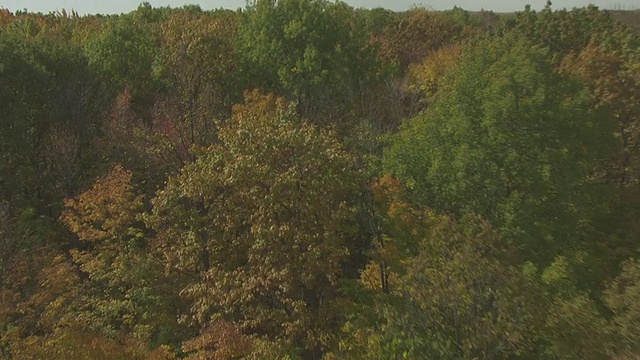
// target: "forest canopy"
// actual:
[[301, 179]]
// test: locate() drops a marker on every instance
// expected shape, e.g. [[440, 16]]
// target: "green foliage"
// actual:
[[50, 101], [197, 68], [621, 298], [562, 31], [124, 53], [308, 50], [512, 140], [461, 296]]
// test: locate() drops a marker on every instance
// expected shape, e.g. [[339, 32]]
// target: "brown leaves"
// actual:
[[221, 340], [608, 66], [6, 17], [418, 33], [601, 69]]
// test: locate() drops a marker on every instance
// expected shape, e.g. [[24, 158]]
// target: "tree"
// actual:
[[606, 67], [457, 290], [414, 35], [620, 298], [462, 299], [197, 68], [259, 227], [509, 139], [427, 76], [52, 105], [310, 51], [424, 79], [123, 53], [562, 31], [127, 294]]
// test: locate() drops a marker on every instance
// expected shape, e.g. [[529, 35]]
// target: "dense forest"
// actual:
[[300, 179]]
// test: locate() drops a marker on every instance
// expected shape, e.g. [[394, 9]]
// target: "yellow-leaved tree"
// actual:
[[259, 227]]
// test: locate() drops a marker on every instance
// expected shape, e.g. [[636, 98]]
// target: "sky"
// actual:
[[120, 6]]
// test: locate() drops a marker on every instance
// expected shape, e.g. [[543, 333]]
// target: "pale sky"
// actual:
[[119, 6]]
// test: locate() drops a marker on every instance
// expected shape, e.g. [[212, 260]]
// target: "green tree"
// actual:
[[123, 53], [512, 140], [461, 298], [458, 289], [562, 31], [620, 298], [310, 51], [454, 289], [606, 67], [52, 104]]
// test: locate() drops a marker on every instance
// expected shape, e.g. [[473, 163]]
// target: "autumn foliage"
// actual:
[[301, 179]]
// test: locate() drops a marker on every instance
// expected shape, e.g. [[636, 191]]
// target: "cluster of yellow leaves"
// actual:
[[123, 284], [402, 225], [257, 105], [106, 211], [428, 75]]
